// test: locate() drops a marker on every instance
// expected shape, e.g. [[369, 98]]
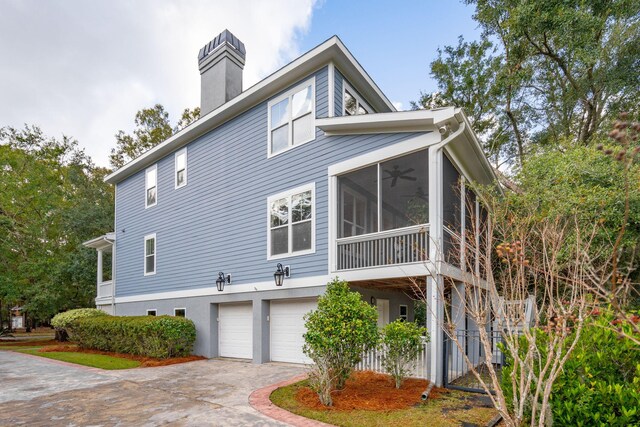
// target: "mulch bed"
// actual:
[[145, 362], [371, 391]]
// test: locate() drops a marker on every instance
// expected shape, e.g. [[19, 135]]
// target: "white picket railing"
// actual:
[[105, 289], [372, 361], [399, 246]]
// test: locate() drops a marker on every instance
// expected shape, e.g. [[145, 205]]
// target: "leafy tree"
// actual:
[[152, 128], [401, 342], [341, 329]]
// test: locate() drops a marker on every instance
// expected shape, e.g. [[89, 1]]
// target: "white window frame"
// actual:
[[289, 94], [180, 308], [146, 185], [155, 254], [175, 168], [152, 309], [288, 194], [359, 100], [404, 317]]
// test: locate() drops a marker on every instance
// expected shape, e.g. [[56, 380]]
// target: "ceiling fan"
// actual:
[[396, 173]]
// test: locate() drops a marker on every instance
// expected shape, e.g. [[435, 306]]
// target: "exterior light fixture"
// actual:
[[280, 274], [373, 301], [222, 280]]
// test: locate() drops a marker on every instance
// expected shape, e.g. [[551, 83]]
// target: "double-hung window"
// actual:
[[149, 254], [151, 185], [291, 118], [291, 218], [181, 168], [352, 103]]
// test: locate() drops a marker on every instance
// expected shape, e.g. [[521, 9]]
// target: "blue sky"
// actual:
[[395, 41], [84, 68]]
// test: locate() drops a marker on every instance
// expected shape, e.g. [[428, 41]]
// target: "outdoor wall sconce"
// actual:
[[280, 274], [222, 280]]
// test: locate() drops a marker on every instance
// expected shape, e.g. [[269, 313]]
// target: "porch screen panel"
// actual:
[[451, 211], [358, 195], [404, 189]]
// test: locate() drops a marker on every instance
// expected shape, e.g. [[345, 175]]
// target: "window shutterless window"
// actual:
[[291, 118], [180, 312], [181, 168], [352, 103], [152, 312], [404, 312], [151, 185], [150, 254], [291, 217]]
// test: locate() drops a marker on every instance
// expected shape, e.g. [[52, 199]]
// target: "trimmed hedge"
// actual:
[[63, 321], [161, 336]]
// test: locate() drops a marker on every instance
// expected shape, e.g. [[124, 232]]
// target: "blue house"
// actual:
[[239, 220]]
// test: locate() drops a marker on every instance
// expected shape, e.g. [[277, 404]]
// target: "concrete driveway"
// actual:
[[41, 392]]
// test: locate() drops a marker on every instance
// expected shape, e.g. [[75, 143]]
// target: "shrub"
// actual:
[[63, 321], [338, 333], [161, 336], [400, 344], [600, 383]]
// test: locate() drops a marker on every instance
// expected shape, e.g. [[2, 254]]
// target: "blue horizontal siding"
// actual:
[[218, 222]]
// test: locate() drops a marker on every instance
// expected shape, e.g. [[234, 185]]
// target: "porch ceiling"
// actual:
[[408, 285]]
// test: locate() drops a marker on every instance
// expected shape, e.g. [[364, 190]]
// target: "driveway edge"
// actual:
[[259, 400]]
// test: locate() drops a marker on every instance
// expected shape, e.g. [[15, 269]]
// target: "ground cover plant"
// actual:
[[372, 399], [101, 361]]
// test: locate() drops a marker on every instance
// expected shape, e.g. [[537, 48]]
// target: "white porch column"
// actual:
[[435, 317], [99, 266]]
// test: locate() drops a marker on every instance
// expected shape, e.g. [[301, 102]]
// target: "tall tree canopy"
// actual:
[[52, 199], [543, 71], [152, 127]]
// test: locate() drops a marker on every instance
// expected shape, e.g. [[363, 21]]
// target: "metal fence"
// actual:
[[468, 352]]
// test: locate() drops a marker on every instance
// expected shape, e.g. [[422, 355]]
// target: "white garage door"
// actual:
[[287, 329], [235, 330]]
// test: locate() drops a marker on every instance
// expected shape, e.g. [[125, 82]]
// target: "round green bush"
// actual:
[[64, 320]]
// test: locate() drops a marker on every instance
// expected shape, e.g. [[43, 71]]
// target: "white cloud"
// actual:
[[84, 68], [398, 105]]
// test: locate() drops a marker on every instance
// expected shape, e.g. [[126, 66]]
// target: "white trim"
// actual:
[[175, 167], [180, 308], [331, 50], [293, 282], [155, 254], [331, 77], [287, 194], [333, 219], [153, 168], [409, 146], [155, 310], [289, 94], [360, 102], [420, 268]]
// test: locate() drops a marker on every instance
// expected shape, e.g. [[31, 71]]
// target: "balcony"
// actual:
[[105, 289], [393, 247]]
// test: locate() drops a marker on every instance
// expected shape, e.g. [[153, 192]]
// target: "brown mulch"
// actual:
[[371, 391], [34, 343], [146, 362]]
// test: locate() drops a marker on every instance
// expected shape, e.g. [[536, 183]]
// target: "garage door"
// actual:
[[235, 330], [287, 329]]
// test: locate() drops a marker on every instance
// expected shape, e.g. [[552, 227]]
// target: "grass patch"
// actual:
[[450, 408], [94, 360]]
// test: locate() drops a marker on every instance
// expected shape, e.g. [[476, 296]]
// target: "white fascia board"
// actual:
[[400, 121], [101, 242], [331, 50]]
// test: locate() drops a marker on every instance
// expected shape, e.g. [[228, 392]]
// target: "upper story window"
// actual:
[[181, 168], [291, 118], [149, 254], [292, 222], [151, 185], [352, 103]]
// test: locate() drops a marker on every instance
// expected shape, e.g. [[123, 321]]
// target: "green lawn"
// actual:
[[450, 410], [86, 359]]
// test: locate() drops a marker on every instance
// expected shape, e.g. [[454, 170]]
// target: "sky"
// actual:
[[83, 68]]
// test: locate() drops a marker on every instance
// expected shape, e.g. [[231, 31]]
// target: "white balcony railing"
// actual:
[[372, 361], [105, 289], [400, 246]]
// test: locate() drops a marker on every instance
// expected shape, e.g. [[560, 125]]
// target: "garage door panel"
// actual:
[[287, 329], [235, 330]]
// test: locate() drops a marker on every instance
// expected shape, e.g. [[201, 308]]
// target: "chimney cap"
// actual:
[[219, 40]]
